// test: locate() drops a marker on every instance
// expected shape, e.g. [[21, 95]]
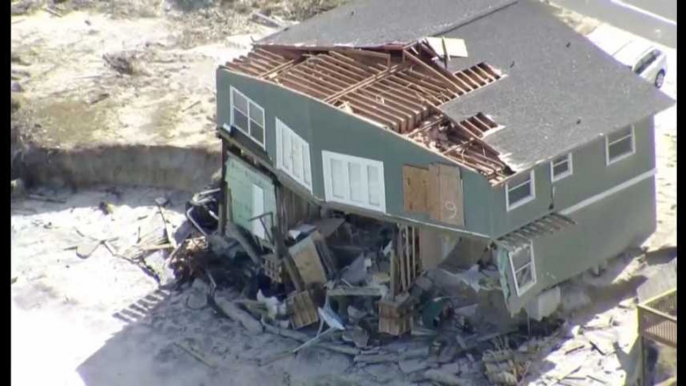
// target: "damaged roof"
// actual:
[[561, 90], [521, 96], [371, 23]]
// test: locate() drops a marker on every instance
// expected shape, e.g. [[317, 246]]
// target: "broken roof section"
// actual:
[[397, 87], [366, 24], [560, 92]]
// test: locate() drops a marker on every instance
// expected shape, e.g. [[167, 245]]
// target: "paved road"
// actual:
[[652, 19]]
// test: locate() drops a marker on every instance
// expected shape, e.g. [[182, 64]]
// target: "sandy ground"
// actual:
[[101, 320], [78, 100]]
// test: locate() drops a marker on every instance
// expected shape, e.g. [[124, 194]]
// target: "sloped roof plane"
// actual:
[[553, 90]]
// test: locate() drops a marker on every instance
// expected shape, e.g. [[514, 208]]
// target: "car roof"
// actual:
[[631, 52]]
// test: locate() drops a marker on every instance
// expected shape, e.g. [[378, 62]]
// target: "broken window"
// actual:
[[354, 180], [523, 268], [247, 116], [620, 145], [293, 154], [520, 190], [561, 167]]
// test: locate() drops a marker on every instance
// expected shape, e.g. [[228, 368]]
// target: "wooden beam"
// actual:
[[311, 83], [302, 88], [318, 71], [365, 82], [345, 61], [472, 84], [488, 69], [399, 93], [270, 54], [329, 87], [474, 75], [338, 66], [263, 59], [404, 116], [242, 68], [338, 75], [375, 115], [274, 71], [432, 70]]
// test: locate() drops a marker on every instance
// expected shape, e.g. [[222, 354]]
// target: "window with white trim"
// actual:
[[247, 116], [293, 155], [619, 145], [520, 190], [354, 181], [523, 268], [561, 167]]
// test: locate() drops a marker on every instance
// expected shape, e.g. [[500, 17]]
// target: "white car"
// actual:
[[645, 60]]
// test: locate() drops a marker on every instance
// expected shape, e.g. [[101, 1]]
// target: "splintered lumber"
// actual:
[[232, 310], [444, 378], [302, 337]]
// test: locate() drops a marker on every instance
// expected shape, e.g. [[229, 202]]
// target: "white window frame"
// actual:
[[251, 105], [327, 156], [526, 200], [282, 130], [521, 291], [609, 161], [569, 172]]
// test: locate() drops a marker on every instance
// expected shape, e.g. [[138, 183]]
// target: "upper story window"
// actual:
[[520, 190], [354, 180], [619, 145], [293, 155], [247, 116], [561, 167]]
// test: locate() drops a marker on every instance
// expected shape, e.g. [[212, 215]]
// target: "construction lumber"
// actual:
[[302, 337], [231, 310]]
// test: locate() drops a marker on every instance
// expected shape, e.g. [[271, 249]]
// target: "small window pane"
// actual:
[[355, 175], [240, 103], [524, 276], [257, 114], [519, 193], [560, 168], [620, 148], [337, 179], [240, 120], [257, 132], [306, 163], [619, 135], [521, 257], [297, 158], [374, 185]]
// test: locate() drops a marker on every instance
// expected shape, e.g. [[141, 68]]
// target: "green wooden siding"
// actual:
[[327, 128]]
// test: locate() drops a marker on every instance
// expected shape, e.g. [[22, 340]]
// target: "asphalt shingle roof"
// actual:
[[561, 91]]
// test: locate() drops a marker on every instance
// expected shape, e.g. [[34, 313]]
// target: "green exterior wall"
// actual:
[[591, 176], [604, 228], [328, 128]]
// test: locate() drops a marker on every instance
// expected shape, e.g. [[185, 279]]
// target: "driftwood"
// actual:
[[231, 310]]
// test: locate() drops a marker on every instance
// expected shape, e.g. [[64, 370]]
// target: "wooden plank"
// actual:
[[307, 261], [446, 204], [329, 62], [415, 189]]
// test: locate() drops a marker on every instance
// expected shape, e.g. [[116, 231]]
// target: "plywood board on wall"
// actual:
[[446, 199], [415, 184]]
